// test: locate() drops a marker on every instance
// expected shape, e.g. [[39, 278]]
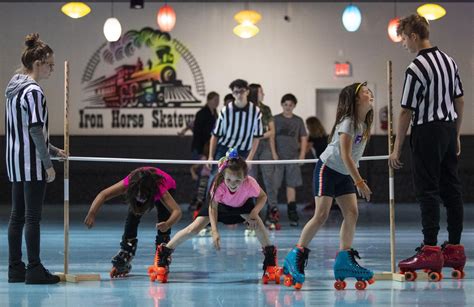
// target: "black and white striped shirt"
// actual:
[[25, 108], [431, 84], [237, 127]]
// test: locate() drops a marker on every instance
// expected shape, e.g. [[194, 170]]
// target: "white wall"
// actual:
[[284, 57]]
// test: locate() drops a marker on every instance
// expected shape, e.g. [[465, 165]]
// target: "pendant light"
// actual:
[[75, 9], [166, 18], [112, 27], [351, 18]]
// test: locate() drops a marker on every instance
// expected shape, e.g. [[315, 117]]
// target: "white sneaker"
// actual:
[[249, 233], [206, 232]]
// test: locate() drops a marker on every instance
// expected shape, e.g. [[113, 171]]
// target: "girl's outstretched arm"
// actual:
[[213, 220], [170, 204], [113, 191]]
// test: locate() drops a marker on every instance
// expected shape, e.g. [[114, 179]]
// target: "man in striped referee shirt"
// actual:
[[239, 125], [432, 100]]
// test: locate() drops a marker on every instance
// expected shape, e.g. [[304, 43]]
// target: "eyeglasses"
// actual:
[[238, 92]]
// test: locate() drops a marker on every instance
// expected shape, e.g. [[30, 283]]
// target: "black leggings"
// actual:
[[27, 205], [435, 172], [132, 222]]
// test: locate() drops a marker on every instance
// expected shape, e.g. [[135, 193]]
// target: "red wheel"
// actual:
[[361, 285], [288, 281], [340, 285], [463, 274], [371, 281], [434, 276], [410, 276], [265, 279], [298, 286], [277, 280], [113, 273], [164, 279], [456, 274]]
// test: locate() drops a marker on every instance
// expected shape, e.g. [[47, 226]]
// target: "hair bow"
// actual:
[[232, 153]]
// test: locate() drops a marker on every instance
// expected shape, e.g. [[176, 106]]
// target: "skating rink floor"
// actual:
[[201, 276]]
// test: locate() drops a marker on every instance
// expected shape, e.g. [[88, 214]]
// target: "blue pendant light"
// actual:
[[351, 18]]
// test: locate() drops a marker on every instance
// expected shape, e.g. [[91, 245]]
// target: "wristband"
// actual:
[[358, 183]]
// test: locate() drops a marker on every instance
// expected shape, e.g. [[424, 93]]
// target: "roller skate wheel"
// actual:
[[463, 274], [410, 276], [434, 276], [265, 279], [360, 285], [298, 286], [340, 285], [288, 281], [113, 273], [371, 281], [277, 279], [456, 274]]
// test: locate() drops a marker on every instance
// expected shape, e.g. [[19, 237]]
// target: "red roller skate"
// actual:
[[271, 270], [160, 268], [273, 219], [454, 257], [427, 258]]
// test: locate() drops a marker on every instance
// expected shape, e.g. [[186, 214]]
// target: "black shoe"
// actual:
[[39, 275], [293, 214], [16, 273]]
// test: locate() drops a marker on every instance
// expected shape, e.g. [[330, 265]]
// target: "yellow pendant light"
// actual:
[[75, 9], [246, 30], [248, 15], [247, 20], [431, 11]]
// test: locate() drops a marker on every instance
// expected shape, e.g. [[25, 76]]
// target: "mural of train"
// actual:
[[155, 85]]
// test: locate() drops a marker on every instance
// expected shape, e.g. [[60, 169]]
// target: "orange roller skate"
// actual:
[[271, 270], [454, 257], [427, 258], [160, 268]]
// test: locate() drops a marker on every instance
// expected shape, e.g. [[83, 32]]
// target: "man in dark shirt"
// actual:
[[203, 125]]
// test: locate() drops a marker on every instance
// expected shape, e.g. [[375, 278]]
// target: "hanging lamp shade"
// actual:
[[431, 11], [248, 15], [166, 18], [112, 29], [392, 30], [246, 30], [351, 18], [75, 9]]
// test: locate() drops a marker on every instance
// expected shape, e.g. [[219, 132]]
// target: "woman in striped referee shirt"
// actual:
[[28, 160]]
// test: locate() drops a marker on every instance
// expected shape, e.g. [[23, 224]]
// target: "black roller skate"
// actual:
[[122, 262], [160, 268], [293, 214]]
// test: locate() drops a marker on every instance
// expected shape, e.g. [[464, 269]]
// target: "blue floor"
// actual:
[[200, 276]]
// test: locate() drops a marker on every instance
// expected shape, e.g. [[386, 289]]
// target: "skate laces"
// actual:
[[270, 258], [164, 255], [302, 260], [353, 255]]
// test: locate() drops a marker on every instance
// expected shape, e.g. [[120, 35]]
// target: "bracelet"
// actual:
[[359, 182]]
